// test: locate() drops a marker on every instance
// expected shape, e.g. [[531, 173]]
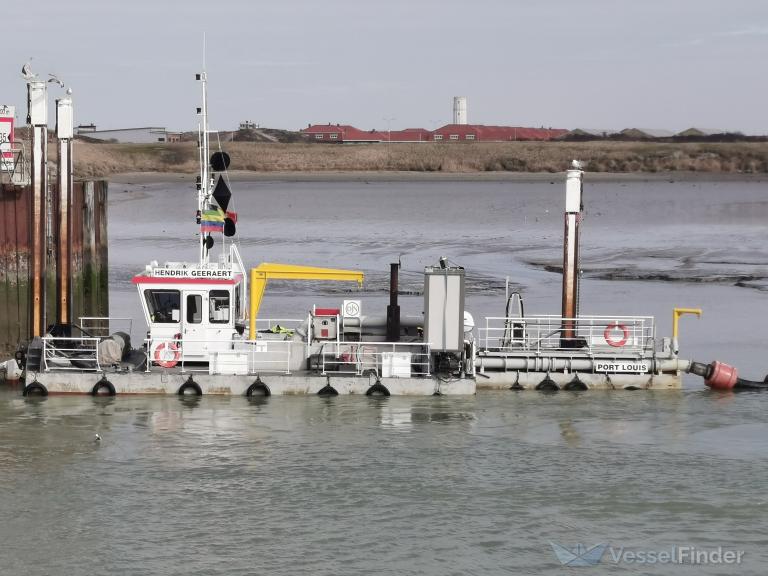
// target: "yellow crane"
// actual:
[[271, 271]]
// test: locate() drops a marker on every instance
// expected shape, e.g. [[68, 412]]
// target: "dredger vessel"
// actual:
[[205, 335]]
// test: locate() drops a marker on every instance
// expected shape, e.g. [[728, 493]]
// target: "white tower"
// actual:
[[459, 109]]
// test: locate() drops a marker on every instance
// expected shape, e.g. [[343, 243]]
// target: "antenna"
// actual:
[[204, 187]]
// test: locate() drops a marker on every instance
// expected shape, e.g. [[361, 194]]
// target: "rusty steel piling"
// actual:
[[53, 239]]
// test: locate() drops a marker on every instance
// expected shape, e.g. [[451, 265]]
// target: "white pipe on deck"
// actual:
[[556, 364]]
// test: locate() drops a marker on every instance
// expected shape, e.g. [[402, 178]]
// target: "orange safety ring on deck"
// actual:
[[609, 330], [172, 348]]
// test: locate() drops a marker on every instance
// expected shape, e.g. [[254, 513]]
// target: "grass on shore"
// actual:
[[100, 160]]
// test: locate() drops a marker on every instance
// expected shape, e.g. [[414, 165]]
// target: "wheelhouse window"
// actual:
[[218, 301], [194, 308], [163, 306]]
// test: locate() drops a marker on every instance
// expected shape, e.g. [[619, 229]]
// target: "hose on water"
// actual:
[[743, 384], [721, 376]]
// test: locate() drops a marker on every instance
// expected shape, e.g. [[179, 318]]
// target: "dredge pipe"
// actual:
[[554, 364], [722, 376]]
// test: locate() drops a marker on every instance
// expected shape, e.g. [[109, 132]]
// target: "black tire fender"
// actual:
[[377, 389], [258, 388], [328, 390], [576, 384], [103, 383], [547, 385], [190, 385], [35, 388]]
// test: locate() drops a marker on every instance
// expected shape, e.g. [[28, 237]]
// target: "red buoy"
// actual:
[[721, 376]]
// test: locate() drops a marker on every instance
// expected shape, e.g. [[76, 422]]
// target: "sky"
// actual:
[[605, 64]]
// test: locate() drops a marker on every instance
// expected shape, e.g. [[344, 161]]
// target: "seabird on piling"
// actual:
[[53, 78], [26, 71]]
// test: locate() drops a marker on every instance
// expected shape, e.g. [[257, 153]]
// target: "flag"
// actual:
[[212, 221]]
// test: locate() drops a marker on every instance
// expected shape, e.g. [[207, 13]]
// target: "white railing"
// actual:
[[593, 334], [269, 356], [263, 356], [59, 353], [384, 359], [244, 357]]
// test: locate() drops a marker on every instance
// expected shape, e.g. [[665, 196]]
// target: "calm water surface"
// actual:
[[352, 485], [434, 486]]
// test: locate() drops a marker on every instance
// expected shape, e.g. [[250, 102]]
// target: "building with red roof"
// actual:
[[481, 133], [407, 135], [343, 133]]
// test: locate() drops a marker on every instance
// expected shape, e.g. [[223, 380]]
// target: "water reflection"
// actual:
[[456, 475], [258, 400], [189, 401], [570, 434]]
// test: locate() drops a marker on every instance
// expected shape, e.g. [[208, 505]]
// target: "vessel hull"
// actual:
[[169, 383], [530, 380]]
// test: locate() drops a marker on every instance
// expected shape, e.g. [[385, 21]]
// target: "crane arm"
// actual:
[[272, 271]]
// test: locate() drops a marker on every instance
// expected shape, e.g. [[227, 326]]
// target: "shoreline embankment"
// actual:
[[366, 177], [491, 160]]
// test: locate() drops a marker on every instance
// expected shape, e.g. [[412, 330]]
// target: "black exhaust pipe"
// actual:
[[393, 310]]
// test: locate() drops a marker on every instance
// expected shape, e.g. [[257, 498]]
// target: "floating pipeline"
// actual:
[[721, 376]]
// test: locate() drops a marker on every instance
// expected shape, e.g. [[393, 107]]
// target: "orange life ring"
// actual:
[[173, 348], [609, 330]]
